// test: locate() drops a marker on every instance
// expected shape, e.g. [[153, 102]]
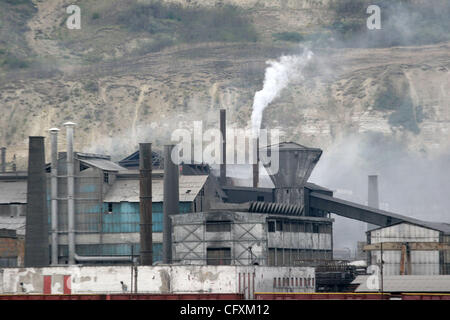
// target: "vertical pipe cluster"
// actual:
[[3, 159], [256, 164], [223, 162], [70, 191], [54, 193], [36, 233], [372, 196], [145, 197], [171, 199]]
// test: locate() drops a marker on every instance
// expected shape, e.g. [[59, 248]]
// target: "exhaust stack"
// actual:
[[372, 196], [171, 200], [70, 191], [3, 159], [145, 196], [256, 165], [54, 193], [223, 163], [36, 233]]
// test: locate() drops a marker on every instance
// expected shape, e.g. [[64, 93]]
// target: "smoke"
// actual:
[[277, 77]]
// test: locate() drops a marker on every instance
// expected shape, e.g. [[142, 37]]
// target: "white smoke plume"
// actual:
[[277, 77]]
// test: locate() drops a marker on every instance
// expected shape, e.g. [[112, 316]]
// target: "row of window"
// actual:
[[298, 226], [292, 257], [293, 282], [275, 225]]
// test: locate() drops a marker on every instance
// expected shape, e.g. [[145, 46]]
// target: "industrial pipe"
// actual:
[[145, 202], [256, 164], [54, 193], [171, 199], [223, 162], [70, 191]]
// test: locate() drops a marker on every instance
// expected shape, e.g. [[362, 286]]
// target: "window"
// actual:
[[110, 207], [301, 227], [271, 256], [279, 226], [271, 226], [218, 256], [308, 227], [105, 177], [315, 228], [286, 226], [218, 226]]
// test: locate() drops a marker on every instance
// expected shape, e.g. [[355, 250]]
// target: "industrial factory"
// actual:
[[83, 224]]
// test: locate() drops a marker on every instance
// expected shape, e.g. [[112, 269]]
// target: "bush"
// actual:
[[288, 36], [189, 24], [95, 15], [12, 62]]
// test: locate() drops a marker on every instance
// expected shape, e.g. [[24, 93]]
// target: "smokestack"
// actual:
[[256, 165], [372, 196], [3, 159], [223, 163], [54, 193], [145, 196], [36, 236], [70, 191], [171, 200]]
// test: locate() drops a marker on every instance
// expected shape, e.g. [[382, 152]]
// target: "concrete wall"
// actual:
[[422, 262], [155, 279]]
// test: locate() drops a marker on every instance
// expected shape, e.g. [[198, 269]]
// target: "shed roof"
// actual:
[[438, 226], [127, 190], [13, 192], [411, 283], [102, 164]]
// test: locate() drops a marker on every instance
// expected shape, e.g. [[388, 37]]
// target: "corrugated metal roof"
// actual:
[[414, 283], [13, 192], [127, 190], [102, 164], [439, 226]]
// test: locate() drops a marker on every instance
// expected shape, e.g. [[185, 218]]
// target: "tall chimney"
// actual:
[[3, 159], [36, 233], [145, 196], [256, 165], [70, 191], [223, 162], [54, 193], [372, 196], [171, 200]]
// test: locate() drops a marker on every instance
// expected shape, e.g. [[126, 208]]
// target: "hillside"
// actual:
[[138, 69]]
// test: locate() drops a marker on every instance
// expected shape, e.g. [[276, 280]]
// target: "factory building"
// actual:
[[106, 199], [249, 235]]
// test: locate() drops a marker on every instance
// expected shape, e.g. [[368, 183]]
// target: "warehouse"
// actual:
[[419, 248]]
